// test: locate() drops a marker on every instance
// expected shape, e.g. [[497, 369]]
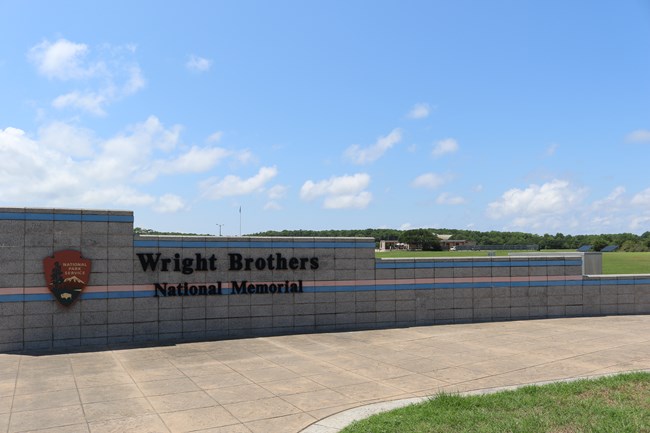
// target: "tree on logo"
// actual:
[[57, 275]]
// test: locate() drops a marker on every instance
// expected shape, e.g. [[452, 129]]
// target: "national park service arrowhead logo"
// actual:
[[66, 274]]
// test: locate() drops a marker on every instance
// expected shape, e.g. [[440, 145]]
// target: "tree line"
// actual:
[[151, 232], [625, 241]]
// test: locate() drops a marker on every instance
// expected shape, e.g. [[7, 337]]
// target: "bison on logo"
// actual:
[[66, 275]]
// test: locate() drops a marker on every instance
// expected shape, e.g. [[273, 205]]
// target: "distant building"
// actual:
[[447, 243], [393, 245]]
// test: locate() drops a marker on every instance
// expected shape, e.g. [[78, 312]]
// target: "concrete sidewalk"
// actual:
[[285, 384]]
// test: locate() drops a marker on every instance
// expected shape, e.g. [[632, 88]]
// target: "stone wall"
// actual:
[[157, 288]]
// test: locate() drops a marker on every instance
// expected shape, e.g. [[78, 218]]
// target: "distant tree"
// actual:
[[621, 238], [634, 246], [598, 243], [422, 239], [627, 246], [645, 238], [570, 242], [141, 231], [378, 234]]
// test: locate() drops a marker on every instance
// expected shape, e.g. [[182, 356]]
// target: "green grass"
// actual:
[[446, 254], [616, 404], [613, 263], [626, 263]]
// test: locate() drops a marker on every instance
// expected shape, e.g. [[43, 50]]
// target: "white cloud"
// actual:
[[610, 213], [443, 147], [107, 73], [32, 170], [277, 192], [550, 150], [618, 192], [62, 59], [195, 160], [65, 165], [550, 205], [232, 185], [641, 198], [638, 136], [640, 222], [339, 192], [134, 81], [359, 155], [109, 195], [613, 200], [272, 205], [335, 186], [169, 203], [446, 198], [559, 205], [430, 180], [245, 157], [198, 64], [71, 140], [131, 155], [360, 200], [215, 137], [419, 111], [89, 102]]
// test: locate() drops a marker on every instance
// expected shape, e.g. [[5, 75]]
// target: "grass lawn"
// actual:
[[616, 404], [626, 263], [446, 254], [613, 263]]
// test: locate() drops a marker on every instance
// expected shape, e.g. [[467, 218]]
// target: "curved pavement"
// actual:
[[295, 383]]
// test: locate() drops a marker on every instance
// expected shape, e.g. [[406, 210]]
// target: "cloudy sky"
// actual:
[[503, 115]]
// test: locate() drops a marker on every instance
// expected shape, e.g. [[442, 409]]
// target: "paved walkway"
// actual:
[[285, 384]]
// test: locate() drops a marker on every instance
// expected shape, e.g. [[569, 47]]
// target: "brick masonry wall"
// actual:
[[348, 289]]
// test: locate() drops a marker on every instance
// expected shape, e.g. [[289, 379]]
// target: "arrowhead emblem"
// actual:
[[66, 275]]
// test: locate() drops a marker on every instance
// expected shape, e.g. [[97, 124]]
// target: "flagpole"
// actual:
[[240, 221]]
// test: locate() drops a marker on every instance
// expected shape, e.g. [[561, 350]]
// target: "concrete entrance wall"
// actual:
[[158, 288]]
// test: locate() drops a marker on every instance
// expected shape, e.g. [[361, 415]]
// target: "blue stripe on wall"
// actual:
[[18, 216], [13, 298], [470, 264], [161, 243], [350, 288]]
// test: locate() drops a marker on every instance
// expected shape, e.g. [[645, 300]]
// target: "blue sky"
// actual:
[[504, 115]]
